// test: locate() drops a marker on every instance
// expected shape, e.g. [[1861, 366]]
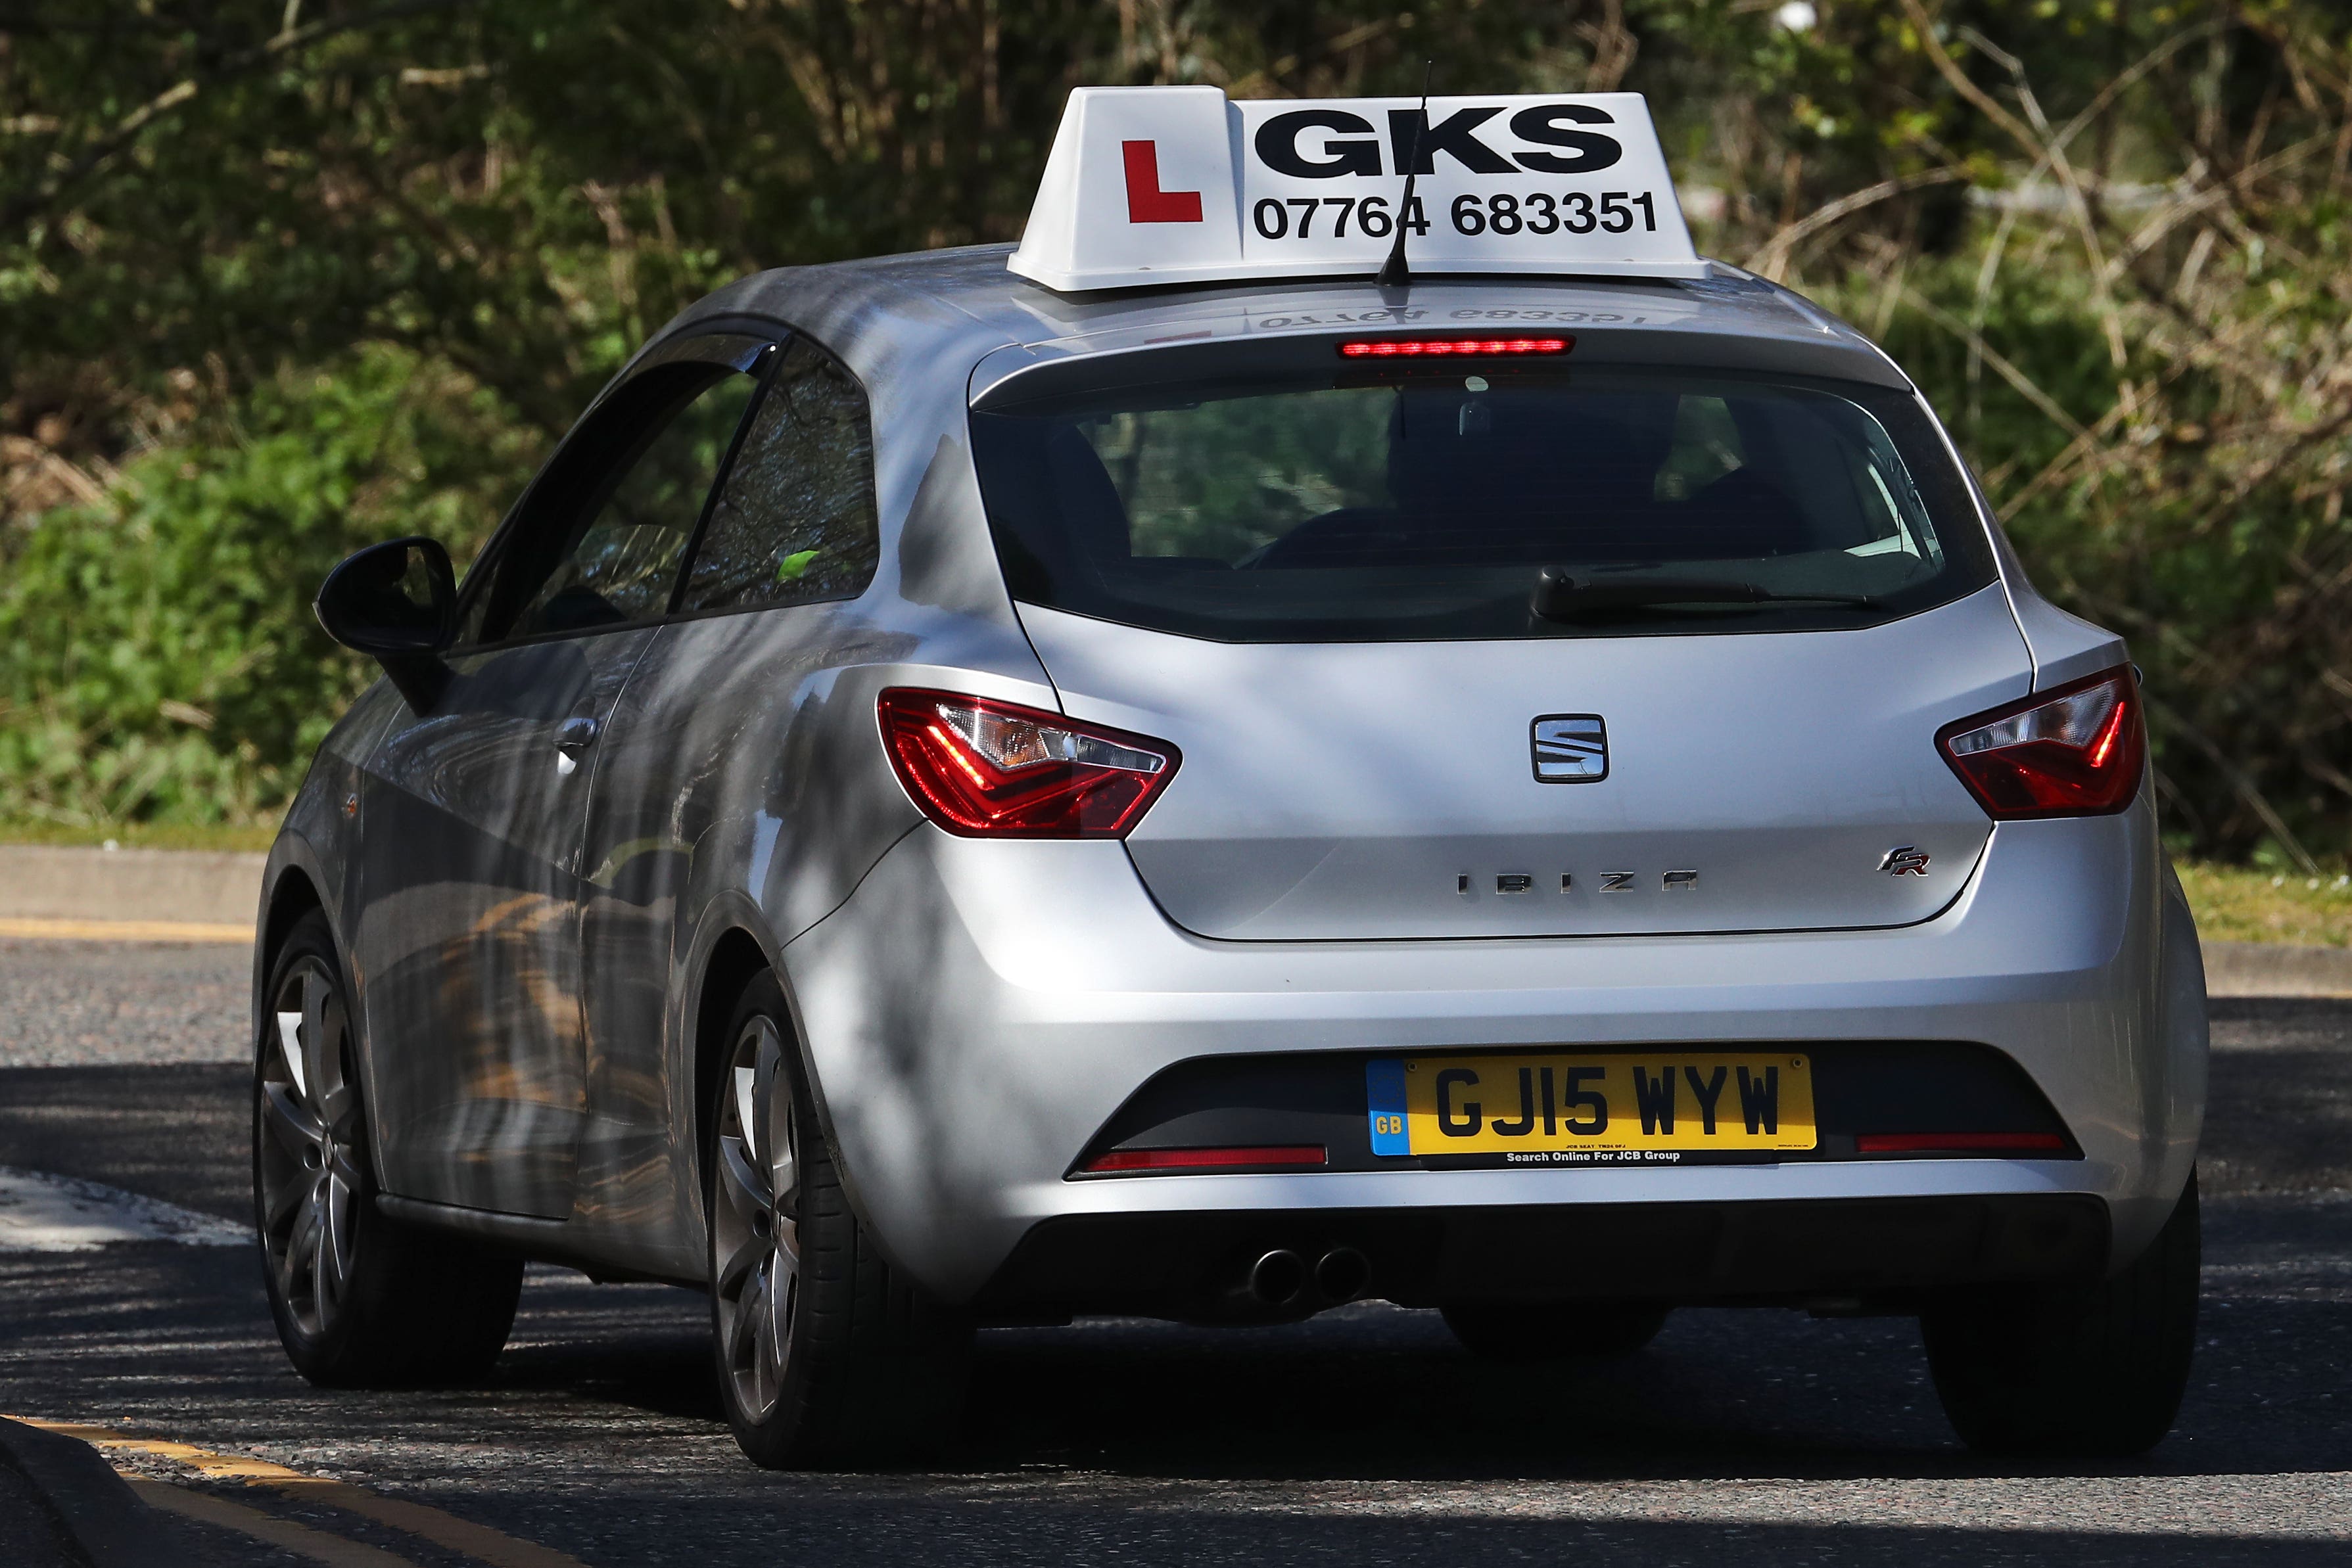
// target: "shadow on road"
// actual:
[[1374, 1393]]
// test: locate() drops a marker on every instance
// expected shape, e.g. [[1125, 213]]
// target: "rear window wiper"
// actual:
[[1565, 596]]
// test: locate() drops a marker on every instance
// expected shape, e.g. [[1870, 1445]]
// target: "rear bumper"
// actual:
[[976, 1012], [1865, 1253]]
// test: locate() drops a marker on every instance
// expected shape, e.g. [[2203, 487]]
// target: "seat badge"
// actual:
[[1905, 858], [1571, 748]]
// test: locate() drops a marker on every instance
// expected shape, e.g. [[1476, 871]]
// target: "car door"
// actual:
[[466, 948], [713, 721]]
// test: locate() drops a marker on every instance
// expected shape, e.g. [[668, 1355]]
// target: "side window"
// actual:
[[607, 528], [796, 520]]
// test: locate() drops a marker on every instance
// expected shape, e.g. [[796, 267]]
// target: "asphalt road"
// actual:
[[80, 1003], [1363, 1437]]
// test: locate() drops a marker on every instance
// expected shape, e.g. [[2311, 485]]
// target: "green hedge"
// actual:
[[163, 661]]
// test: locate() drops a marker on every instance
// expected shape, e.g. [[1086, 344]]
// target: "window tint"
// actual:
[[1354, 507], [796, 520], [607, 529]]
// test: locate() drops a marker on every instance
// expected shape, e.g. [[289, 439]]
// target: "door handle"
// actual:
[[572, 737]]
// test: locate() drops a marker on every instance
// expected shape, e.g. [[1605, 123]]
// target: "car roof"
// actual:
[[941, 306]]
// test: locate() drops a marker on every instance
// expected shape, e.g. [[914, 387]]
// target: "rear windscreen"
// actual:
[[1355, 507]]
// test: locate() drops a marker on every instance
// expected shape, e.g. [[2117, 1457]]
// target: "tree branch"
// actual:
[[1949, 69], [1773, 255], [102, 149], [2000, 363], [2240, 781]]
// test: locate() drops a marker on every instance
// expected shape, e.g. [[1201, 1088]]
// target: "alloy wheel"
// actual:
[[307, 1159], [754, 1228]]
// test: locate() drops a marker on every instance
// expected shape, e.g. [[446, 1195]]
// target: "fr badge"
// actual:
[[1905, 858]]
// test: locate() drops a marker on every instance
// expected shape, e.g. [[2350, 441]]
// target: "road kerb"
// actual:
[[480, 1541], [68, 881], [2276, 970], [102, 1516]]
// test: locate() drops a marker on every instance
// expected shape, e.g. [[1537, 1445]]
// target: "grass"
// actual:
[[2235, 903], [140, 835]]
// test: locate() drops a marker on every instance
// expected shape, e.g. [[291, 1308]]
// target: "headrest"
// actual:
[[1451, 450]]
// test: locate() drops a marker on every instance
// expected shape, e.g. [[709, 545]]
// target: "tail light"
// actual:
[[983, 768], [2074, 752], [1122, 1161]]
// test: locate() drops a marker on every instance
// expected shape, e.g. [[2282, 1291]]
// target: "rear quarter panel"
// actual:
[[742, 783]]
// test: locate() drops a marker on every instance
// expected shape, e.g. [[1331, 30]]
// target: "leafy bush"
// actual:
[[163, 659]]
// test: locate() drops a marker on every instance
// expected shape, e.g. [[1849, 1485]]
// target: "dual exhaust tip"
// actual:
[[1284, 1279]]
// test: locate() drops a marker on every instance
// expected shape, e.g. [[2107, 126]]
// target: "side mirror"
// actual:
[[396, 601]]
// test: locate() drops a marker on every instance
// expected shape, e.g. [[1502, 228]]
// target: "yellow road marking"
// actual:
[[479, 1542], [284, 1533], [494, 1547], [63, 930]]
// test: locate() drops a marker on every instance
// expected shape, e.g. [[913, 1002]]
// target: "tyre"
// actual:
[[360, 1299], [2096, 1370], [1554, 1331], [826, 1355]]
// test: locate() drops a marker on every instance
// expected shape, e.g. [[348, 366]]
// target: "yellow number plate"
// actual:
[[1567, 1109]]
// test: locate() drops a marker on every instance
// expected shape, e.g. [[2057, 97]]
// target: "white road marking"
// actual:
[[45, 1213]]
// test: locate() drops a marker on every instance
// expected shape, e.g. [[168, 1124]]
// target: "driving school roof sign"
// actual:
[[1173, 184]]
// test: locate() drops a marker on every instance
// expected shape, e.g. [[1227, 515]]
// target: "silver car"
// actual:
[[949, 804]]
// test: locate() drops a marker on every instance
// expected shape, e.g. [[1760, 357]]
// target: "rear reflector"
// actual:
[[1119, 1160], [2076, 751], [1439, 348], [983, 769], [1960, 1143]]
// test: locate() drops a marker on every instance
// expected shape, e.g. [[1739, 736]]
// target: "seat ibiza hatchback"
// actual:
[[956, 799]]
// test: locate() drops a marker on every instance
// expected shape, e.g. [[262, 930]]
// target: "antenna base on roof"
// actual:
[[1393, 272]]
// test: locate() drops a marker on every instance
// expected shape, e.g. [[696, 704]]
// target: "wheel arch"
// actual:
[[737, 956], [736, 960], [296, 882], [291, 897]]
